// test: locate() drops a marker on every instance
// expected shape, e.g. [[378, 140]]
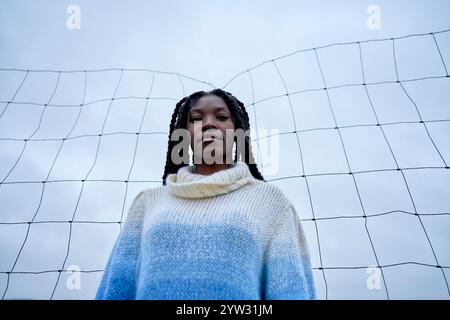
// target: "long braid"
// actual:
[[248, 149], [170, 166], [240, 119]]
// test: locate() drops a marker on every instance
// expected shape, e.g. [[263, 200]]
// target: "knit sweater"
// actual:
[[221, 236]]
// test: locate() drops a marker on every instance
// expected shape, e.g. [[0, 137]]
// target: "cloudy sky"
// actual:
[[261, 51]]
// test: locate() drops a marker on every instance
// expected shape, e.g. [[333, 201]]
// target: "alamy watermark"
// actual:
[[215, 146], [374, 279], [73, 281], [374, 19], [73, 21]]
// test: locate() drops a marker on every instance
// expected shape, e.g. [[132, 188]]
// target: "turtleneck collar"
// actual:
[[187, 184]]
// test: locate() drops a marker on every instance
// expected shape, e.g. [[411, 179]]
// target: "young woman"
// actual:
[[213, 230]]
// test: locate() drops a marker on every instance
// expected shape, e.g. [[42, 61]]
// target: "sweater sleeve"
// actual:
[[119, 278], [287, 268]]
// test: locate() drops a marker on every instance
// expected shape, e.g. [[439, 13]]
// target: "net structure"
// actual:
[[362, 151]]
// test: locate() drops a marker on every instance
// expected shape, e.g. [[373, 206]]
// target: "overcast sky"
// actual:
[[198, 45]]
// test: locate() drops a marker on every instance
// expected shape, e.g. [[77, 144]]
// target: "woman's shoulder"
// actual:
[[269, 188], [152, 191], [146, 194], [270, 192]]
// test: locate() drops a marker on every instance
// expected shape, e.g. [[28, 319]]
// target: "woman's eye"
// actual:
[[223, 118], [195, 119]]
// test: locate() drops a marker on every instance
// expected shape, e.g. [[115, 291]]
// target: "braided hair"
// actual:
[[240, 119]]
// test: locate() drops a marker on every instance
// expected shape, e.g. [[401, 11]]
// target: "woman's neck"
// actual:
[[207, 169]]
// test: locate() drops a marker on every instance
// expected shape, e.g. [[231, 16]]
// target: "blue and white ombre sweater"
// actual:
[[202, 237]]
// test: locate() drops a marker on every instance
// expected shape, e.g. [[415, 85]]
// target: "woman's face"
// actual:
[[208, 122]]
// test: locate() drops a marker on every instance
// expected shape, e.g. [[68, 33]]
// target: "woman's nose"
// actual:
[[208, 123]]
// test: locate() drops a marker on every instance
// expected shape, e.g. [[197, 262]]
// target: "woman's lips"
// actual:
[[208, 141], [211, 139]]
